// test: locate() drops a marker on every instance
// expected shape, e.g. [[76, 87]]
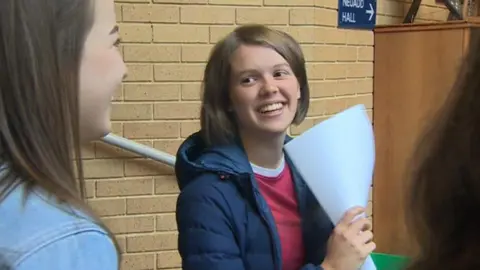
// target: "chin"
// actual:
[[93, 134], [275, 130]]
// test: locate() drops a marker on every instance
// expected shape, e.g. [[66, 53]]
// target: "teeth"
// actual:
[[271, 107]]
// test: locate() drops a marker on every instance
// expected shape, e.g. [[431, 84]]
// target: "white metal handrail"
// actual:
[[137, 148]]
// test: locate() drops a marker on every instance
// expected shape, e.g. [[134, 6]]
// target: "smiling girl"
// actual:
[[243, 205]]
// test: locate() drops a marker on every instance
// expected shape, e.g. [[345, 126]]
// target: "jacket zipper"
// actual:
[[259, 201]]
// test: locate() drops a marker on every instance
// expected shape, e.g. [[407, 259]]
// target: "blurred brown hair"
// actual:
[[41, 45], [444, 193], [217, 123]]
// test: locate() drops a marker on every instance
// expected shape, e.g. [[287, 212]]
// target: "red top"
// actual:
[[278, 190]]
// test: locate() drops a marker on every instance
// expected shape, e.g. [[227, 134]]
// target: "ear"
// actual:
[[299, 93]]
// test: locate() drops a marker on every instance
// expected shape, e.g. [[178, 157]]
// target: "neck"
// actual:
[[264, 152]]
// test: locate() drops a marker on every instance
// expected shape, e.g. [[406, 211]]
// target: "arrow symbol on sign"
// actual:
[[370, 12]]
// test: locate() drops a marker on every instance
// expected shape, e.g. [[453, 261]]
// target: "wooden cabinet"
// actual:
[[415, 67]]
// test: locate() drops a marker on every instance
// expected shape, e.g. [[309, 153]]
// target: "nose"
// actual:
[[269, 86]]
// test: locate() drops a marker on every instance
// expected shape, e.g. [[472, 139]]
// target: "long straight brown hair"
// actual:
[[444, 192], [41, 46]]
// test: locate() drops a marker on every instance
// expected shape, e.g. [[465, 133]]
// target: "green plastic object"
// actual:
[[389, 262]]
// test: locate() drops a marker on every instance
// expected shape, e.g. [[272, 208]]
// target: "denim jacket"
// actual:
[[36, 234]]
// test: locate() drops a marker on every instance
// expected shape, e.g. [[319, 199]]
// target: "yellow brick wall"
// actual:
[[165, 45]]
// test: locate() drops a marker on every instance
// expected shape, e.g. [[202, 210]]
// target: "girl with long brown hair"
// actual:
[[59, 67]]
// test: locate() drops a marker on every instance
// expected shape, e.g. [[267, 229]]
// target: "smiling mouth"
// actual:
[[272, 107]]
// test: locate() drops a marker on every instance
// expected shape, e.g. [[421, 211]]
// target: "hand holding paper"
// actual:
[[336, 159]]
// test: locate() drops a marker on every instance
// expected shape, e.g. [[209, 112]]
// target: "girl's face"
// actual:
[[101, 73], [264, 91]]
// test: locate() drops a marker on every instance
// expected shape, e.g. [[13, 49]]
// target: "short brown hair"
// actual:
[[218, 125]]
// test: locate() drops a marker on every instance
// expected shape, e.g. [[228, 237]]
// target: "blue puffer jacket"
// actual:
[[223, 221]]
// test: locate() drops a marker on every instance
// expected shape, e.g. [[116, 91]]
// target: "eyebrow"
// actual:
[[114, 30], [241, 72]]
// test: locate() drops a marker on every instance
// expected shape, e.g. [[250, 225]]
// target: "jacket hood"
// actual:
[[194, 158]]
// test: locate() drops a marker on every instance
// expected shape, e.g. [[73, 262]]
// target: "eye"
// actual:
[[247, 80], [280, 73], [117, 42]]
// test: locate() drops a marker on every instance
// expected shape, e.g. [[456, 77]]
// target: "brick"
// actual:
[[131, 111], [321, 53], [367, 100], [288, 3], [146, 167], [369, 209], [177, 110], [118, 12], [117, 128], [365, 54], [207, 15], [108, 207], [181, 1], [166, 222], [317, 108], [147, 130], [335, 71], [100, 168], [132, 224], [339, 88], [151, 53], [151, 92], [168, 259], [326, 17], [104, 150], [125, 187], [302, 34], [135, 32], [122, 242], [359, 37], [148, 205], [180, 33], [88, 151], [304, 126], [322, 89], [118, 94], [236, 2], [169, 146], [326, 3], [219, 32], [138, 261], [328, 35], [191, 91], [139, 73], [166, 184], [382, 20], [302, 16], [390, 7], [364, 86], [347, 54], [196, 53], [151, 13], [316, 71], [132, 1], [269, 16], [179, 72], [89, 189], [187, 128], [153, 242], [358, 70]]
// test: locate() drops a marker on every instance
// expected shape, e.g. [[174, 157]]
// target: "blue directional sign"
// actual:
[[357, 14]]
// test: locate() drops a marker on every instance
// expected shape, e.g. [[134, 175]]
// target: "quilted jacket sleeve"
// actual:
[[206, 239]]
